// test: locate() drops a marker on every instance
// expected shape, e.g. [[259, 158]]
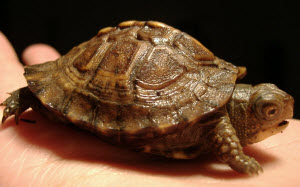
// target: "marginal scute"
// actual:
[[52, 87]]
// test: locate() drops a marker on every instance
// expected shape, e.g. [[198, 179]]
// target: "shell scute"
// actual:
[[119, 57], [157, 36], [83, 62], [160, 69], [193, 48]]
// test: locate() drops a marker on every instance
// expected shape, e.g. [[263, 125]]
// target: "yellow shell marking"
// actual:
[[153, 24], [105, 30], [156, 24], [131, 23]]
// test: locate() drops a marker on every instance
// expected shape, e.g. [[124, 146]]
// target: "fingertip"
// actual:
[[11, 69], [39, 53], [7, 52]]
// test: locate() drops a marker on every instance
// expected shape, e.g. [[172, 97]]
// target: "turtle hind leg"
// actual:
[[19, 101]]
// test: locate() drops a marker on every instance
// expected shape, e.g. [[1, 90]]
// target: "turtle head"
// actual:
[[268, 109]]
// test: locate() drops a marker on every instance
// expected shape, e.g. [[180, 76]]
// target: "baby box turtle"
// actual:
[[153, 88]]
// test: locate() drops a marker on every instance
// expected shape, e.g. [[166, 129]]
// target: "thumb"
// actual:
[[39, 53]]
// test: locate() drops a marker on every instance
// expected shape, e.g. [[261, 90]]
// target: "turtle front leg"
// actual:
[[229, 150], [17, 103]]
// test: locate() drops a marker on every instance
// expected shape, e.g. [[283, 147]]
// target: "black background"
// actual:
[[263, 35]]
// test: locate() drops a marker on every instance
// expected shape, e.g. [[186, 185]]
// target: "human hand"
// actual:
[[45, 153]]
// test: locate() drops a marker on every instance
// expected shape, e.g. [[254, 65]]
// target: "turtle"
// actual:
[[149, 87]]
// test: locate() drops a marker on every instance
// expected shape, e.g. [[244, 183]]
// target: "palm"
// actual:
[[49, 154]]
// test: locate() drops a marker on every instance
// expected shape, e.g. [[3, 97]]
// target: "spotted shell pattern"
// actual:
[[138, 80]]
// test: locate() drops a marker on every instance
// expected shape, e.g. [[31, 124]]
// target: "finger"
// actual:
[[39, 53], [7, 51], [11, 69]]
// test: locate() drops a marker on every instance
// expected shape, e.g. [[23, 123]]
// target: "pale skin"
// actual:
[[51, 154]]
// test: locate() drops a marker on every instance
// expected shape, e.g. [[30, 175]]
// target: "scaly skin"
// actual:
[[229, 150]]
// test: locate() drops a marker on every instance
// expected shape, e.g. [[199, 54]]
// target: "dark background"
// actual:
[[263, 36]]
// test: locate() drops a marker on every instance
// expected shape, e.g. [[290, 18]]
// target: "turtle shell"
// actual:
[[138, 80]]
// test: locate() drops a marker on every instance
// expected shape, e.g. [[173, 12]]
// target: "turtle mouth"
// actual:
[[263, 134]]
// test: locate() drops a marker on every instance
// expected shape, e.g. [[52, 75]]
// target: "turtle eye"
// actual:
[[269, 111], [267, 107]]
